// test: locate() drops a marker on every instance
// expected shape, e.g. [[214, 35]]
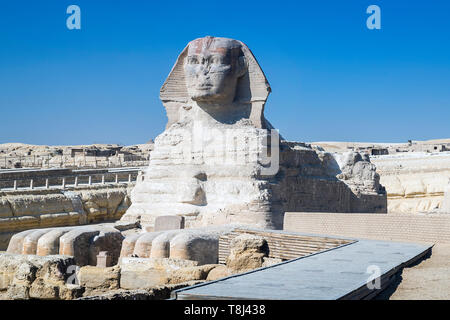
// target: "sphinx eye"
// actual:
[[192, 60], [215, 60]]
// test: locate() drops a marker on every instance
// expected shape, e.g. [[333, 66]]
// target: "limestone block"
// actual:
[[158, 263], [5, 208], [247, 252], [267, 262], [141, 276], [31, 276], [219, 272], [70, 291], [143, 273], [169, 223], [103, 259], [189, 273], [35, 204], [39, 289], [97, 279]]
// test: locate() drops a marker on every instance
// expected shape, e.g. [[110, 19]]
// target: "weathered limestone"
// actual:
[[98, 280], [28, 276], [415, 181], [169, 223], [22, 210], [20, 155], [197, 244], [104, 259], [48, 244], [218, 272], [218, 162], [144, 273], [190, 273], [83, 243], [247, 253]]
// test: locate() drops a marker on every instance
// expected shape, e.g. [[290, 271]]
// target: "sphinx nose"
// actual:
[[205, 70]]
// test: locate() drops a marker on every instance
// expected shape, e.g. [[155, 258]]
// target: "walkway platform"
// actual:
[[338, 273]]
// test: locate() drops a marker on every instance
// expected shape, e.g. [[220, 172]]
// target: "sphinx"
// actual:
[[218, 163], [214, 97]]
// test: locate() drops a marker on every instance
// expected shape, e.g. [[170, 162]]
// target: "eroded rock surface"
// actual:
[[23, 210], [26, 276], [247, 253]]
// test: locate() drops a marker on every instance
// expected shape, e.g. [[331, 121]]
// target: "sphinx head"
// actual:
[[221, 75], [212, 68]]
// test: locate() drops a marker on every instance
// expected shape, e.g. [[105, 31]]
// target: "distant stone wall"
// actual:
[[396, 227], [414, 182], [28, 209]]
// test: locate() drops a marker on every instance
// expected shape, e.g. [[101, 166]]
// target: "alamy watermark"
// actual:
[[74, 20], [374, 280], [374, 20]]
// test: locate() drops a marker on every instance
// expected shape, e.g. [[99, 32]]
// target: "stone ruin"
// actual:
[[215, 97], [219, 163]]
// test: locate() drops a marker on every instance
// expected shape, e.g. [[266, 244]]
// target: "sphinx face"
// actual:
[[212, 68]]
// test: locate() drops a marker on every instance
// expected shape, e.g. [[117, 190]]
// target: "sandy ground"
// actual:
[[427, 280]]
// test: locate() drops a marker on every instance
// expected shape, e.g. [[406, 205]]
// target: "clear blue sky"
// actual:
[[331, 77]]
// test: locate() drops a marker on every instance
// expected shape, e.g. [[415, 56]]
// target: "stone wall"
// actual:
[[30, 209], [414, 182], [430, 228], [20, 155]]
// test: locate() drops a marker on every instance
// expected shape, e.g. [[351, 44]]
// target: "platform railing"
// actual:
[[67, 161], [71, 181]]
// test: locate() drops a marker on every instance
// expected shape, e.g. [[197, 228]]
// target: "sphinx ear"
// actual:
[[173, 93], [242, 66]]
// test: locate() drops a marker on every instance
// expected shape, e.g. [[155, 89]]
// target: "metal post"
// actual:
[[117, 178], [46, 183], [15, 185], [90, 180], [103, 179], [76, 181], [31, 184], [63, 183], [129, 178]]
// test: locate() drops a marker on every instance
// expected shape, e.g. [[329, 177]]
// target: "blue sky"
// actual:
[[331, 77]]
